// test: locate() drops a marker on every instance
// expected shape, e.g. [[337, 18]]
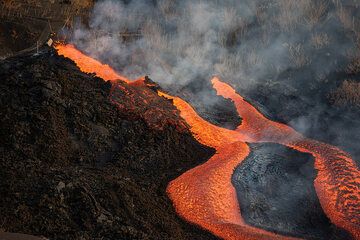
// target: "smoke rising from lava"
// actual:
[[181, 40], [186, 40], [247, 43]]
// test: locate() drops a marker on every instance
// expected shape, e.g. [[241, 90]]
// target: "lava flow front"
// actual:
[[205, 196]]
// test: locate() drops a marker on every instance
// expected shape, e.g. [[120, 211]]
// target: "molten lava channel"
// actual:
[[88, 64], [205, 196]]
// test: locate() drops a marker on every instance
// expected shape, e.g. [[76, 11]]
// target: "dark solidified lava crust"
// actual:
[[274, 186], [75, 166], [203, 98]]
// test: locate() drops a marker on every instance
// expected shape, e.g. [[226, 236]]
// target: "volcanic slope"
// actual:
[[74, 165]]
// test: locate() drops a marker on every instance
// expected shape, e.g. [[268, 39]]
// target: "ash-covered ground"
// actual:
[[75, 166]]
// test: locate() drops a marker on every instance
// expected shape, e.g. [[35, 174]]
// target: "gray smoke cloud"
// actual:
[[181, 40], [292, 47], [242, 41]]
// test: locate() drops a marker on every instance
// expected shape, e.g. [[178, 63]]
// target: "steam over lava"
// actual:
[[205, 195]]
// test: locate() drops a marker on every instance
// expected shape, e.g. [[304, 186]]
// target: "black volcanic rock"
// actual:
[[75, 166]]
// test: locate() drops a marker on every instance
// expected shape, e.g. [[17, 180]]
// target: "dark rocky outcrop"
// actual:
[[75, 166]]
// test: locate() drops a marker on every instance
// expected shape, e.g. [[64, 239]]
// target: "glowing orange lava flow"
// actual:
[[88, 64], [338, 180], [205, 196], [337, 183]]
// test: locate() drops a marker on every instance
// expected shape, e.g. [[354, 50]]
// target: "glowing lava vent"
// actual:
[[205, 196]]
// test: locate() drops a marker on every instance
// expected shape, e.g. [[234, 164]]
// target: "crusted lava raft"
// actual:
[[74, 165], [274, 185]]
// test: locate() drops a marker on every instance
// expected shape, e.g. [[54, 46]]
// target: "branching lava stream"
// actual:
[[205, 196]]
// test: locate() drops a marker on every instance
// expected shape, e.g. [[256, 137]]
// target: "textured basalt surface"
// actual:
[[275, 187]]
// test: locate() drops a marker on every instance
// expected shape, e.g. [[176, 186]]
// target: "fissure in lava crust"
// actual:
[[205, 196]]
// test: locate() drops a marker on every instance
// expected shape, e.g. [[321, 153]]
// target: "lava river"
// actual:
[[205, 196]]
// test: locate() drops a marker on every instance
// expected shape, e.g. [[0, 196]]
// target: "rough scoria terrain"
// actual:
[[73, 165]]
